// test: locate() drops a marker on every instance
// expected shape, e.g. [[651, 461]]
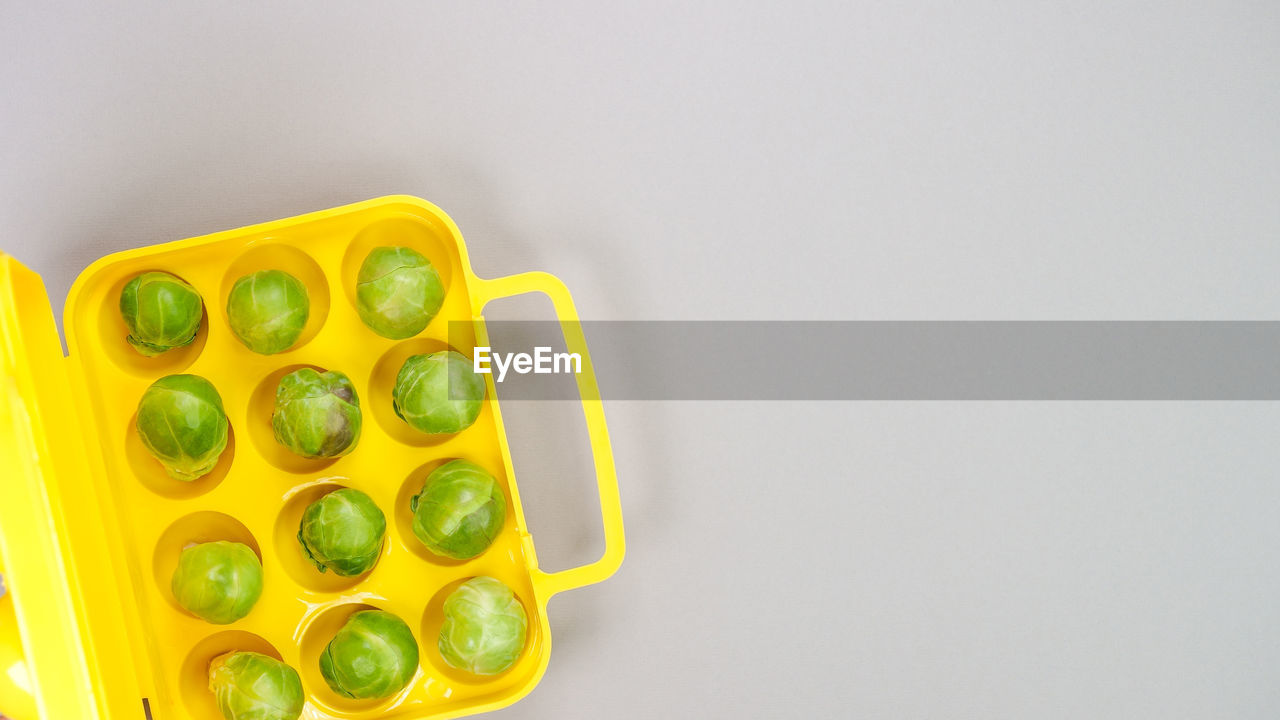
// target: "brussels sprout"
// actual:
[[267, 310], [161, 311], [342, 532], [252, 686], [374, 655], [218, 581], [398, 292], [460, 510], [182, 424], [317, 414], [438, 393], [484, 627]]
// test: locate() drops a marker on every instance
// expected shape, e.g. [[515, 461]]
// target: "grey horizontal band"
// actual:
[[909, 360]]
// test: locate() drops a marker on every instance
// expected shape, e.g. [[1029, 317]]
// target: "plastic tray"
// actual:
[[92, 526]]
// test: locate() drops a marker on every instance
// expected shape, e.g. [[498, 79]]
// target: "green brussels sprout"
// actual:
[[484, 627], [317, 414], [161, 311], [460, 510], [218, 581], [252, 686], [267, 310], [398, 292], [342, 532], [182, 424], [373, 656], [438, 393]]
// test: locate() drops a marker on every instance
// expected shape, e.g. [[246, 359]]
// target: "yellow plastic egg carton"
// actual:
[[91, 526]]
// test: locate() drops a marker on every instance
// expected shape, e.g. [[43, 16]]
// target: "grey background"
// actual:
[[734, 160]]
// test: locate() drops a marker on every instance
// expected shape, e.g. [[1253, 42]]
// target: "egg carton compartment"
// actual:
[[258, 491], [192, 680]]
